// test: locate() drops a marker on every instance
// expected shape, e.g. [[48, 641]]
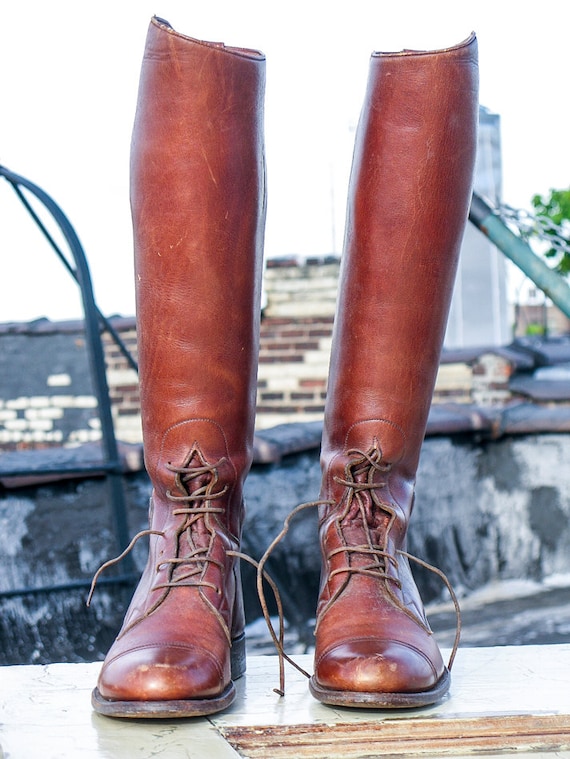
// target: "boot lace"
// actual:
[[364, 506], [361, 504], [199, 483]]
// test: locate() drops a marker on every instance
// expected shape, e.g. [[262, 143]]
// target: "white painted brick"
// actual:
[[85, 401], [42, 436], [37, 436], [43, 425], [327, 274], [84, 436], [39, 401], [280, 383], [16, 424], [318, 359], [18, 403], [43, 413], [58, 380], [292, 309], [7, 414], [298, 286], [13, 437], [73, 401], [8, 437], [454, 376], [302, 370], [129, 433], [122, 377], [62, 401], [129, 421]]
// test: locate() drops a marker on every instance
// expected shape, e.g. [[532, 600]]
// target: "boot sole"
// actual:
[[192, 707], [367, 700]]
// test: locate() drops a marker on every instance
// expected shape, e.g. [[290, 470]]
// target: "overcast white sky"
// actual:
[[69, 77]]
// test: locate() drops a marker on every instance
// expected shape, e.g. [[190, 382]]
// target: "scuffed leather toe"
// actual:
[[376, 666], [162, 673]]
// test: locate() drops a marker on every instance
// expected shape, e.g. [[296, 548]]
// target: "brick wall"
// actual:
[[46, 395], [46, 392], [295, 339], [293, 367], [123, 383]]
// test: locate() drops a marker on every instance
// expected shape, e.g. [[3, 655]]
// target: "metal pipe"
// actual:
[[97, 468], [129, 579], [43, 229], [552, 284]]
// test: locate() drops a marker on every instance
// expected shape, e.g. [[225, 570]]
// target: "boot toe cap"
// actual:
[[162, 673], [376, 666]]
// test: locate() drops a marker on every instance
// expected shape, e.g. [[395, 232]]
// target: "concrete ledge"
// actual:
[[503, 700]]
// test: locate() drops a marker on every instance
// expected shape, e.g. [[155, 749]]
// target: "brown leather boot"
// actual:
[[198, 205], [408, 202]]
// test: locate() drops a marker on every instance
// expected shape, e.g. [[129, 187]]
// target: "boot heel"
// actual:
[[237, 657]]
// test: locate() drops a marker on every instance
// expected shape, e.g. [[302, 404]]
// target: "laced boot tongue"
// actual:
[[196, 480], [366, 522], [193, 543]]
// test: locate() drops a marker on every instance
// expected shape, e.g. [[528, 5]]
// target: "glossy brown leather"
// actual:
[[198, 208], [408, 202]]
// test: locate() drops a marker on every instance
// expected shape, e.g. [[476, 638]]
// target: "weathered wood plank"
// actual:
[[417, 737]]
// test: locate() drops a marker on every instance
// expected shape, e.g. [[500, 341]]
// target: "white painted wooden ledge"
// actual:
[[503, 700]]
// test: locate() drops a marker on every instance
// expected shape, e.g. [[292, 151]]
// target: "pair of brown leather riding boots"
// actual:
[[198, 206]]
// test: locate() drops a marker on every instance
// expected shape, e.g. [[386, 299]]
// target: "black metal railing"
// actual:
[[110, 465]]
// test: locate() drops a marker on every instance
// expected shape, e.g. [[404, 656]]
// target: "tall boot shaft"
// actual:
[[198, 208], [198, 205], [409, 196], [408, 201]]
